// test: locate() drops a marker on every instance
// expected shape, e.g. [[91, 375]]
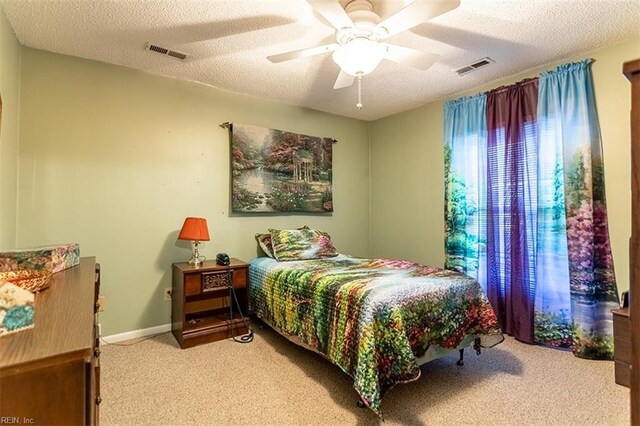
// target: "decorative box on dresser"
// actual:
[[632, 71], [201, 303], [50, 374]]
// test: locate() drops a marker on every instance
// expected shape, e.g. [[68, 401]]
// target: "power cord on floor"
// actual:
[[247, 338]]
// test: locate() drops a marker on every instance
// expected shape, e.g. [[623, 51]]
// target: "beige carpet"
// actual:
[[272, 381]]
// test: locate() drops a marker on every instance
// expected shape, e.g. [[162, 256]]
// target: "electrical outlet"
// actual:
[[101, 302], [167, 294]]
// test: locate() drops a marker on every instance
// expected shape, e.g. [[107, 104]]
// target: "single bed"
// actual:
[[376, 319]]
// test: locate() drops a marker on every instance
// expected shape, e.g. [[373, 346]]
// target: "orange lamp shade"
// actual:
[[194, 229]]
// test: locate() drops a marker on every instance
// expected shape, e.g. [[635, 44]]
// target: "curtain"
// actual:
[[465, 135], [512, 205], [577, 315], [525, 210]]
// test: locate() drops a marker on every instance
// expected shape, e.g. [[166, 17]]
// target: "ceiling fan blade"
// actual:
[[332, 12], [416, 13], [344, 80], [410, 57], [303, 53]]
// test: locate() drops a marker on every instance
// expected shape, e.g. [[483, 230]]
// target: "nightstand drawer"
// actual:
[[211, 281], [239, 278], [192, 284]]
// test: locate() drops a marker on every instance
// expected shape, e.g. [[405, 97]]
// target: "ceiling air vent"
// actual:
[[167, 52], [474, 66]]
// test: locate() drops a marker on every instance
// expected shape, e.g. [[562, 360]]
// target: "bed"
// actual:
[[376, 319]]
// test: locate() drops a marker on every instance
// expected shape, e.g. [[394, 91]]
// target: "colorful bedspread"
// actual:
[[371, 317]]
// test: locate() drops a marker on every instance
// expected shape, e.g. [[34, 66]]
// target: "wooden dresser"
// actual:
[[622, 346], [50, 374], [632, 71]]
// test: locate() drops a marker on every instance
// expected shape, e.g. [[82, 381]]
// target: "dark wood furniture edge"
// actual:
[[631, 70], [622, 346], [210, 264], [46, 362], [631, 67]]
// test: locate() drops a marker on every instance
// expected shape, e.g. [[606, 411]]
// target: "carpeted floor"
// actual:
[[272, 381]]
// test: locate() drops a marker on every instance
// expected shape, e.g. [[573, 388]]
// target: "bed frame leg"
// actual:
[[476, 345], [461, 360]]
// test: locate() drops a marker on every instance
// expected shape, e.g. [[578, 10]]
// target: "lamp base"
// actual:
[[196, 260]]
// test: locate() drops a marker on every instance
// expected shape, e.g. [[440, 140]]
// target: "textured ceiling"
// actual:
[[228, 43]]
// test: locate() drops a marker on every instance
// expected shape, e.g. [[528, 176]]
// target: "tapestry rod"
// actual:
[[228, 125]]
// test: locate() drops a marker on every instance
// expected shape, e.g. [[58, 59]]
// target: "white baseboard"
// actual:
[[114, 338]]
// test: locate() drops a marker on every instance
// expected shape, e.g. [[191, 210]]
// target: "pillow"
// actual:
[[264, 241], [301, 244]]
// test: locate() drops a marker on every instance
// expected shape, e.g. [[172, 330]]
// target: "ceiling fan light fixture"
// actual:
[[359, 56]]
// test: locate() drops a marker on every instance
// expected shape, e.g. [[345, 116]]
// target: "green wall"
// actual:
[[115, 159], [407, 179], [10, 51]]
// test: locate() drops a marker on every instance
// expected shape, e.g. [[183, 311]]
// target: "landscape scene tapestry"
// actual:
[[277, 171]]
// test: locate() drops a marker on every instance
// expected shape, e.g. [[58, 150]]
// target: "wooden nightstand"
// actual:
[[200, 301]]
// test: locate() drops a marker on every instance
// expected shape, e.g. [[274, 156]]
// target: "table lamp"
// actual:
[[195, 230]]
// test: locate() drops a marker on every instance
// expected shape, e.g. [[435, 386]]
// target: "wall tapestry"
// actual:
[[277, 171]]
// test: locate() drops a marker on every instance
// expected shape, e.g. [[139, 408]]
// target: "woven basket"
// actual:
[[28, 279]]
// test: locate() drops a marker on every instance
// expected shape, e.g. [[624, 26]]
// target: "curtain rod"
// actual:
[[229, 125]]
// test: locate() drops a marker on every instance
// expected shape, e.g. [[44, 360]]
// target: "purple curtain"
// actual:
[[512, 205]]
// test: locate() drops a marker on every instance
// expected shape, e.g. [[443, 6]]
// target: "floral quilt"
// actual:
[[371, 317]]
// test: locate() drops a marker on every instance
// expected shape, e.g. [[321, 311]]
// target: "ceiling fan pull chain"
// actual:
[[359, 104]]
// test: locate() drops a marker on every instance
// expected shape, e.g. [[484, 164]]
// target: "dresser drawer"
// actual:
[[621, 327], [623, 373], [622, 350], [622, 346]]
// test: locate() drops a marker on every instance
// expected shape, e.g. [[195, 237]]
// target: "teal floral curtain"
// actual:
[[570, 276], [465, 154], [573, 235]]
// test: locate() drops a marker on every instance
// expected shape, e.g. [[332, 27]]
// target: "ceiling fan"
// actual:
[[360, 35]]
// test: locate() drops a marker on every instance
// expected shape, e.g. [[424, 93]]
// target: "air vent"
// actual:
[[167, 52], [474, 66]]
